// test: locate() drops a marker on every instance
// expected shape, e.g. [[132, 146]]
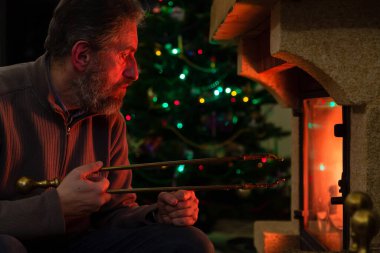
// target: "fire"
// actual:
[[323, 165]]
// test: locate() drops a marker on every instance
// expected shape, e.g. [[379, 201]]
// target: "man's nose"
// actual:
[[131, 71]]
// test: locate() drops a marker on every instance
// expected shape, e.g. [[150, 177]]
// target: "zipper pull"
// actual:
[[68, 129]]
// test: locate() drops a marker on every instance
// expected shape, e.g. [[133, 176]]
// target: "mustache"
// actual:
[[122, 84]]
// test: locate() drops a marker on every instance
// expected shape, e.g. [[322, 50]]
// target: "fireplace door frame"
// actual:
[[308, 241]]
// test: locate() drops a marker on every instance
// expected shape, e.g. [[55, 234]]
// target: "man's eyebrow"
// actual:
[[131, 48]]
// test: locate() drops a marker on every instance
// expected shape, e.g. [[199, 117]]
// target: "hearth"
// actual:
[[321, 60]]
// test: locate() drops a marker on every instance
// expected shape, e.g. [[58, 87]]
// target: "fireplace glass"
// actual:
[[322, 169]]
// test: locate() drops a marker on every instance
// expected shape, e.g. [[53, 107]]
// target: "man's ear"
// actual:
[[80, 55]]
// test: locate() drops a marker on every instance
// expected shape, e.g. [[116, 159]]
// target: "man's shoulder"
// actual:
[[115, 119], [14, 78]]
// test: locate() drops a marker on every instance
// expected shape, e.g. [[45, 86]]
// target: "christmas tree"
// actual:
[[189, 103]]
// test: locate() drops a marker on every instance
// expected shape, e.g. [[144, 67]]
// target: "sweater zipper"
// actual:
[[68, 127], [66, 141]]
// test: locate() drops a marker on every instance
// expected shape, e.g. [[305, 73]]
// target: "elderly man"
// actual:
[[59, 117]]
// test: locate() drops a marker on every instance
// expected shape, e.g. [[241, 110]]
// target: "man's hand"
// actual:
[[81, 192], [179, 208]]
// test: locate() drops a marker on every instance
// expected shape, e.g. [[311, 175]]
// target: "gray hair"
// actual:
[[94, 21]]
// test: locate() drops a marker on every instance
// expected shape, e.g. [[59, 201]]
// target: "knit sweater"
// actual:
[[37, 141]]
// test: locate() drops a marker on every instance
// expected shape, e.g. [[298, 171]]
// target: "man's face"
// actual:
[[102, 87]]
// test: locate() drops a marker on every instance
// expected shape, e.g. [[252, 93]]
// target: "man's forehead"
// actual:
[[126, 37]]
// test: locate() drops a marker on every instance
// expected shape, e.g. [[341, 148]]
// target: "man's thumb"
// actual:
[[88, 169]]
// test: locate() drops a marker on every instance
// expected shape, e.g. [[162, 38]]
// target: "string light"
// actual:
[[155, 99], [177, 102], [179, 125], [128, 117], [228, 90], [255, 101], [233, 100], [175, 51], [233, 93], [216, 92], [182, 76], [202, 100], [332, 104], [158, 53], [168, 46], [200, 51], [322, 167], [245, 99], [181, 168], [201, 167], [165, 105]]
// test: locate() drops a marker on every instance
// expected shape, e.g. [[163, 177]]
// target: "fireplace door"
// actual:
[[322, 169]]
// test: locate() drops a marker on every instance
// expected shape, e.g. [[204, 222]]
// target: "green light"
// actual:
[[181, 168], [168, 46], [238, 171], [332, 104], [155, 99], [255, 101], [235, 119], [220, 89], [182, 76], [310, 125], [216, 92], [179, 125], [165, 105], [175, 51], [170, 3], [228, 90]]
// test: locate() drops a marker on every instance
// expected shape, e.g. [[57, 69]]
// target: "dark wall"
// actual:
[[2, 32], [25, 28]]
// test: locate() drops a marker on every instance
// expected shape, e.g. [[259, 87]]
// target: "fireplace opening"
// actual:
[[322, 167]]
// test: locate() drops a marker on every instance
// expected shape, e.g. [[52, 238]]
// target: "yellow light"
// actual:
[[245, 99], [202, 100], [158, 53], [233, 93]]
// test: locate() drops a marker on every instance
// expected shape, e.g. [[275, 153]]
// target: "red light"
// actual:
[[128, 117], [176, 102], [164, 123], [233, 100], [200, 51], [264, 159], [201, 167]]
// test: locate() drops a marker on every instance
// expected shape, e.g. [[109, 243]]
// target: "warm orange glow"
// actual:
[[323, 167], [275, 242]]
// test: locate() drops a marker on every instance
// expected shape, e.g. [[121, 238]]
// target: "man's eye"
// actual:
[[124, 55]]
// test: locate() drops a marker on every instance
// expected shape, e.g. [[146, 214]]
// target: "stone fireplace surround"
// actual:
[[282, 44]]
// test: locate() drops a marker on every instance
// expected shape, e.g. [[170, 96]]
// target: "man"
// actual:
[[59, 118]]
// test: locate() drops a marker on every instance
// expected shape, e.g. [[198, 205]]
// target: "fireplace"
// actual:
[[321, 60], [322, 163], [324, 135]]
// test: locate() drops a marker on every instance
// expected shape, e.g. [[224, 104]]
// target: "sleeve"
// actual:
[[122, 210], [43, 216]]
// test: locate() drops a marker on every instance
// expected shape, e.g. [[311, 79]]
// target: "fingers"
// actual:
[[179, 208], [173, 198], [81, 192], [88, 169]]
